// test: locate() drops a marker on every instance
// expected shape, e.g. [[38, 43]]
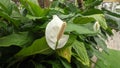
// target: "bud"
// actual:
[[96, 26]]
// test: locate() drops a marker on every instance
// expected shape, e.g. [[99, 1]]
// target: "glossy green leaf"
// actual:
[[17, 39], [83, 20], [79, 29], [92, 11], [39, 46], [80, 53]]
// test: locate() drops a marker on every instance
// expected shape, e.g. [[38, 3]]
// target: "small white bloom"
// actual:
[[96, 26], [55, 33]]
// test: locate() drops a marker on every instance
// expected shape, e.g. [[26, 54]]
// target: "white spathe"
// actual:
[[55, 33]]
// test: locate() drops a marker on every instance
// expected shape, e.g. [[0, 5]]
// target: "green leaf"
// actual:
[[101, 43], [77, 64], [112, 60], [111, 13], [65, 53], [100, 18], [79, 29], [33, 17], [83, 20], [113, 20], [10, 12], [70, 41], [5, 15], [64, 17], [39, 46], [92, 3], [17, 39], [6, 6], [9, 18], [65, 63], [33, 7], [9, 7], [54, 4], [92, 11], [80, 53], [72, 8]]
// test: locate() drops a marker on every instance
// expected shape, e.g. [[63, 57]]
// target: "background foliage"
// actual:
[[22, 31]]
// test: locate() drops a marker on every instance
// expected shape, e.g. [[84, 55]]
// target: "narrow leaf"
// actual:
[[79, 29], [80, 53], [17, 39], [83, 20], [39, 46]]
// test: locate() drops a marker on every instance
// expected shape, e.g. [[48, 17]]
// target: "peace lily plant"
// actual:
[[54, 33], [25, 41]]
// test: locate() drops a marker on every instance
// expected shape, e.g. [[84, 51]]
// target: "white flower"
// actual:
[[96, 26], [55, 33]]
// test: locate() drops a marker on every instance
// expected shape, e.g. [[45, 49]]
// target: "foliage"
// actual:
[[22, 31], [109, 63]]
